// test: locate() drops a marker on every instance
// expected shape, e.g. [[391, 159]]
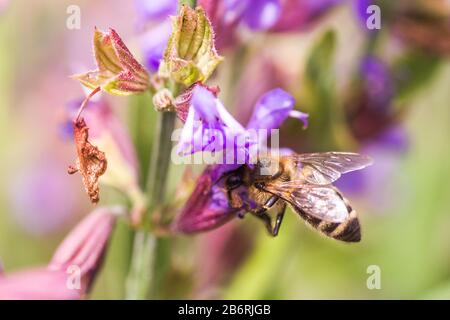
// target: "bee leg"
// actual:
[[262, 214], [269, 204], [267, 221], [278, 220]]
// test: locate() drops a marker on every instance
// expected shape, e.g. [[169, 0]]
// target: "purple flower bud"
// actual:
[[72, 270]]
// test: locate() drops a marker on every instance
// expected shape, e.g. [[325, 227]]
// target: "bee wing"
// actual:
[[206, 208], [323, 202], [326, 167]]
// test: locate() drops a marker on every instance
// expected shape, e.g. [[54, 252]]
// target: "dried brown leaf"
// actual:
[[91, 162]]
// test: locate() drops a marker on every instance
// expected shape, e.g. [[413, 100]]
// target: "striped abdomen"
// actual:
[[348, 230]]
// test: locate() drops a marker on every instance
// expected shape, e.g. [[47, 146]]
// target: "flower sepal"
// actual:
[[118, 72], [190, 55]]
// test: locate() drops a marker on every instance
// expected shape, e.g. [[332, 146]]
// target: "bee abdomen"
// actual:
[[349, 230]]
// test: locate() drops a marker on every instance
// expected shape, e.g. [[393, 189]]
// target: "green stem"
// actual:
[[140, 278], [160, 159]]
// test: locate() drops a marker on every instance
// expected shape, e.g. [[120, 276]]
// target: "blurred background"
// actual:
[[380, 92]]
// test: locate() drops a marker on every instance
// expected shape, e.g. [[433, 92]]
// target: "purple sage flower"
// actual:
[[209, 126], [208, 206]]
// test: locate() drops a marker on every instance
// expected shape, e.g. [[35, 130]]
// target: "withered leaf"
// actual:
[[91, 162]]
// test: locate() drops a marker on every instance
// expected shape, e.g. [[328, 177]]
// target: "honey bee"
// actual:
[[303, 181]]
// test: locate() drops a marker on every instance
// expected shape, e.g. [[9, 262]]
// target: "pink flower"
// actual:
[[73, 267]]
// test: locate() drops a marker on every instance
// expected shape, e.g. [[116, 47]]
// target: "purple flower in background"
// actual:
[[227, 15], [256, 15], [156, 9], [154, 43], [378, 82], [262, 15], [300, 14], [74, 265], [369, 110], [154, 39]]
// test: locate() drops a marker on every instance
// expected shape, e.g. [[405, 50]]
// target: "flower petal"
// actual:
[[271, 110], [300, 116]]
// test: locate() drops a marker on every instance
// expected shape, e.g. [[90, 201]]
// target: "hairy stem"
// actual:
[[140, 278]]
